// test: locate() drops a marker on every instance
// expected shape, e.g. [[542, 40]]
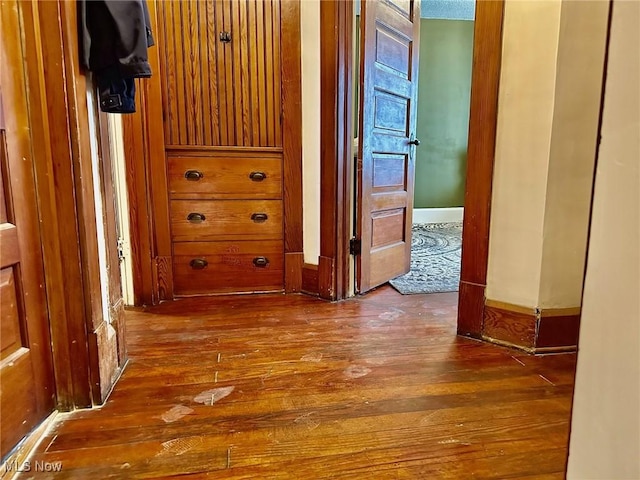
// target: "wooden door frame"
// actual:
[[336, 65], [146, 170], [62, 156], [336, 127]]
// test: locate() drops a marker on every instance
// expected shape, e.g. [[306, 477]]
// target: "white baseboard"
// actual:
[[437, 215]]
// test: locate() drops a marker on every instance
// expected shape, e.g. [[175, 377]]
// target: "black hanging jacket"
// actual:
[[115, 36]]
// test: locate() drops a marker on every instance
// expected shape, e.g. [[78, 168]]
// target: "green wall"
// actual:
[[446, 50]]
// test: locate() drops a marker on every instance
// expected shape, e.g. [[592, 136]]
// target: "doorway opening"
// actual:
[[437, 122]]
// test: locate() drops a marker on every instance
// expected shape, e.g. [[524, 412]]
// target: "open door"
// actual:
[[386, 163], [26, 376]]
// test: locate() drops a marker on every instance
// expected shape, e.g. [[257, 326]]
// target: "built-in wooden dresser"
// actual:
[[226, 222]]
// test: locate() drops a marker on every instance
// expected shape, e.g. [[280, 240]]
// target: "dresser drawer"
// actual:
[[199, 220], [221, 177], [224, 267]]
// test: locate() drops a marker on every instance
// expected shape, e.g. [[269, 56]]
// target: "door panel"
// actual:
[[386, 161], [26, 379], [221, 91]]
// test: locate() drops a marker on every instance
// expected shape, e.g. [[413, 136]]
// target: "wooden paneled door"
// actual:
[[386, 163], [26, 378]]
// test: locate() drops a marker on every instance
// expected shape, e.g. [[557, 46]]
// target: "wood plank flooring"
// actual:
[[275, 386]]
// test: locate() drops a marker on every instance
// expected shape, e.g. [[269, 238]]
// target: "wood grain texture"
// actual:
[[471, 304], [289, 386], [140, 213], [144, 150], [50, 192], [291, 124], [230, 267], [27, 392], [514, 328], [558, 332], [156, 167], [532, 330], [293, 272], [386, 157], [310, 279], [226, 220], [336, 120], [221, 93], [215, 108], [326, 278], [226, 175], [65, 189], [485, 78]]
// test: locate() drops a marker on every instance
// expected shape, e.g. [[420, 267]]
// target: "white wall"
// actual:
[[525, 115], [310, 48], [549, 102], [605, 428], [581, 53]]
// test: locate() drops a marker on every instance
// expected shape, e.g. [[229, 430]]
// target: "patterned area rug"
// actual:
[[435, 259]]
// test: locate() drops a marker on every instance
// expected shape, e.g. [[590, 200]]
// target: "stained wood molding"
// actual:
[[531, 329], [470, 309], [310, 279], [26, 448], [485, 79], [86, 359], [292, 143], [336, 124]]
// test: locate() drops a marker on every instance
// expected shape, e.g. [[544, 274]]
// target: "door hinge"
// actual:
[[120, 248], [355, 246]]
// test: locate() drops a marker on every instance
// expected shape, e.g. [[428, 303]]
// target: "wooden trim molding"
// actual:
[[85, 356], [26, 447], [310, 279], [336, 62], [531, 329], [336, 125], [470, 309], [485, 79], [292, 143]]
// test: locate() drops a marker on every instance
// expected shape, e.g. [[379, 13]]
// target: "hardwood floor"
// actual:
[[276, 386]]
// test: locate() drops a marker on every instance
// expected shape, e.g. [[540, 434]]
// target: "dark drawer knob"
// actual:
[[257, 176], [193, 175], [261, 262], [196, 217], [198, 263], [259, 217]]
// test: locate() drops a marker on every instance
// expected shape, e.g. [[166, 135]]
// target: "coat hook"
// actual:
[[225, 37]]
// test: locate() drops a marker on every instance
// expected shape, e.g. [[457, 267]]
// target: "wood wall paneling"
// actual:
[[221, 93]]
